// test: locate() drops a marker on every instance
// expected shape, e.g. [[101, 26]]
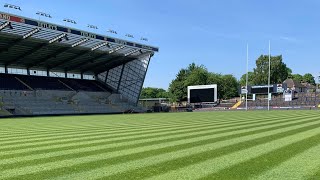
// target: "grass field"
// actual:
[[209, 145]]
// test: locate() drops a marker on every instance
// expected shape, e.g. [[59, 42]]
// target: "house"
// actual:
[[310, 87], [295, 85]]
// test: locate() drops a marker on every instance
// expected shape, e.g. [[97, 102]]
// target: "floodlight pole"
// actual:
[[6, 5], [92, 26], [68, 21], [11, 6], [247, 77], [269, 75], [43, 14]]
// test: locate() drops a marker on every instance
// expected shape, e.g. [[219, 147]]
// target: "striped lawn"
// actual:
[[209, 145]]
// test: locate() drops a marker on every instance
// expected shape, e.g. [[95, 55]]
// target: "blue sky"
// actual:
[[209, 32]]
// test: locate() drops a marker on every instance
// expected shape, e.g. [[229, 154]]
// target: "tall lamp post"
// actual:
[[247, 77], [269, 97], [66, 20], [43, 14], [92, 26], [11, 6], [129, 35], [144, 39], [112, 31]]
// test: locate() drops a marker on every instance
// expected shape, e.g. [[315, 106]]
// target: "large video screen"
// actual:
[[202, 95]]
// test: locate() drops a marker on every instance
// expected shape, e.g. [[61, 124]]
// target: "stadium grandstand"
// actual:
[[48, 69], [289, 95]]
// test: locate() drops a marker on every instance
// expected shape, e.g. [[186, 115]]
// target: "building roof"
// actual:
[[309, 86], [293, 83], [30, 43]]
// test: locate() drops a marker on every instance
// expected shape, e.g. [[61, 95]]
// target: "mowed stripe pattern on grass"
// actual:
[[208, 145]]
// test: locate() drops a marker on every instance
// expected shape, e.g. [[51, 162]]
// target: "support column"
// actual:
[[81, 75], [144, 77], [106, 77], [123, 66], [6, 69]]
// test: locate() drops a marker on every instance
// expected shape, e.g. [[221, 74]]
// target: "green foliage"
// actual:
[[177, 88], [150, 92], [242, 81], [289, 72], [297, 77], [208, 145], [199, 75], [309, 78], [278, 73], [192, 75], [228, 86]]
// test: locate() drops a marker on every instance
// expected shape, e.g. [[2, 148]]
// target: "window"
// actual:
[[56, 74], [17, 71], [73, 75], [38, 73], [88, 76], [2, 70]]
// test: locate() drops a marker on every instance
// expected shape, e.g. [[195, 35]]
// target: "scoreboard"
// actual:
[[263, 89], [202, 94]]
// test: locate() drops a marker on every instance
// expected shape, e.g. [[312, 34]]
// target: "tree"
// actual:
[[228, 87], [289, 72], [297, 77], [308, 78], [199, 75], [278, 73], [215, 78], [242, 81], [150, 92], [192, 75]]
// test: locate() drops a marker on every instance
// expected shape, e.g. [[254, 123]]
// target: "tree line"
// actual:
[[279, 72], [228, 85]]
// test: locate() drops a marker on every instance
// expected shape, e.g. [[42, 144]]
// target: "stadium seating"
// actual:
[[42, 102], [304, 99], [84, 85], [22, 82], [45, 83], [8, 82], [36, 95]]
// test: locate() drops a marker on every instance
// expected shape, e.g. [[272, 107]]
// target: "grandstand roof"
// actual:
[[30, 43]]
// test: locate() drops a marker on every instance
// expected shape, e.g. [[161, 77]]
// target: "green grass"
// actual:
[[208, 145]]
